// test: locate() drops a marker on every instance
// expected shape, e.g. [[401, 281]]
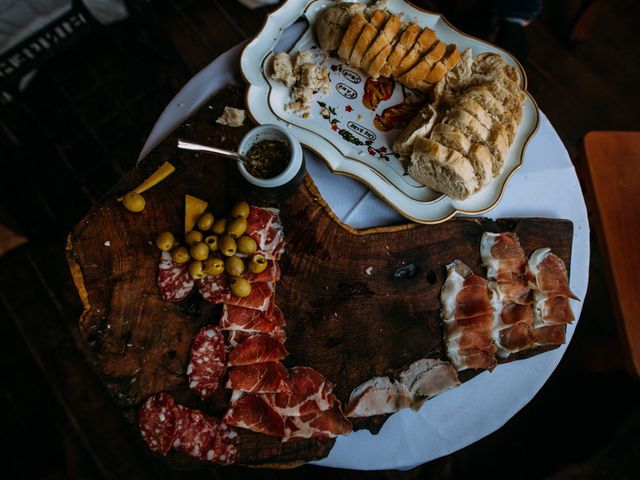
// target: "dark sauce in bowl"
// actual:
[[268, 158]]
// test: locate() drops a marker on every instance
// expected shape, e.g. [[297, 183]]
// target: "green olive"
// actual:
[[237, 227], [240, 209], [134, 202], [227, 246], [246, 245], [240, 287], [205, 221], [219, 226], [212, 242], [213, 266], [257, 263], [196, 270], [165, 241], [234, 266], [180, 255], [199, 251], [193, 237]]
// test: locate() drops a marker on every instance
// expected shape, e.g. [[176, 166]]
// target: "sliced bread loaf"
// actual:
[[442, 169], [425, 42], [401, 48], [367, 35], [419, 126], [350, 37], [384, 38], [498, 112]]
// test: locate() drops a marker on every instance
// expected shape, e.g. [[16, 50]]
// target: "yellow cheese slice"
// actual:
[[155, 178], [193, 208]]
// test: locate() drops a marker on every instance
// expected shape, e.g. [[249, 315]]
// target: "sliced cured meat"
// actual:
[[553, 310], [502, 255], [257, 349], [255, 414], [550, 334], [515, 338], [264, 226], [324, 424], [238, 336], [195, 435], [513, 313], [512, 330], [468, 318], [269, 377], [549, 273], [157, 421], [208, 361], [270, 274], [518, 290], [309, 391], [260, 298], [174, 281], [428, 377], [223, 448], [250, 320], [377, 396], [214, 289]]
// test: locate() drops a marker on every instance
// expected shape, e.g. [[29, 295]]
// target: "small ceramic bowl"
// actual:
[[288, 181]]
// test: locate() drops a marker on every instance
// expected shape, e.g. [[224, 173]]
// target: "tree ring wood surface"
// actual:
[[358, 304]]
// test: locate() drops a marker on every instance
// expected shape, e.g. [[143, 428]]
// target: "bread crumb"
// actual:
[[360, 117], [107, 243], [368, 270], [232, 117]]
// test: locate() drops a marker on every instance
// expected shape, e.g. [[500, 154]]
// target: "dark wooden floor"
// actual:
[[81, 124]]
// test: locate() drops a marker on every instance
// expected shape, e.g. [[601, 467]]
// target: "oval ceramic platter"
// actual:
[[352, 133]]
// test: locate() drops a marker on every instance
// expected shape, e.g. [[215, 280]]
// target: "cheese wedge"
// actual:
[[193, 208]]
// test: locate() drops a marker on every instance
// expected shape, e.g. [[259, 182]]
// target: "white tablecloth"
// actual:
[[546, 186]]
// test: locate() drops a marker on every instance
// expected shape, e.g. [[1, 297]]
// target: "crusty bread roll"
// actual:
[[333, 21], [425, 42], [384, 38], [367, 35], [358, 22], [419, 126], [442, 169], [401, 48]]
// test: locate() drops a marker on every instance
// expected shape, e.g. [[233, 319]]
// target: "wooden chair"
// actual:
[[612, 181]]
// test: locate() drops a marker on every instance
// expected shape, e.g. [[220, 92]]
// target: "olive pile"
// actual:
[[218, 246]]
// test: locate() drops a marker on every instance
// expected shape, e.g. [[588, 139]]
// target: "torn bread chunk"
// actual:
[[232, 117], [302, 58], [442, 169], [283, 69], [315, 78]]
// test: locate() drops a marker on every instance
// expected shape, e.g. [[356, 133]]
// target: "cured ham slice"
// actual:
[[377, 396], [270, 274], [257, 349], [318, 424], [468, 319], [551, 311], [255, 414], [502, 255], [264, 226], [250, 320], [174, 281], [238, 336], [269, 377], [428, 377], [208, 361], [260, 298], [309, 391]]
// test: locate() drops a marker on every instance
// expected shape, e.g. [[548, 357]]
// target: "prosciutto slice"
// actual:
[[236, 337], [264, 226], [249, 320], [269, 377], [257, 349], [309, 391], [468, 319], [318, 424], [255, 414], [260, 298], [377, 396], [511, 292], [270, 274], [551, 310], [426, 378]]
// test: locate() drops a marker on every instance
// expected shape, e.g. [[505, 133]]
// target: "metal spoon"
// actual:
[[216, 151]]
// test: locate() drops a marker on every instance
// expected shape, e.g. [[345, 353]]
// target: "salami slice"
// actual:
[[194, 433], [224, 449], [208, 360], [157, 420], [214, 289], [174, 281]]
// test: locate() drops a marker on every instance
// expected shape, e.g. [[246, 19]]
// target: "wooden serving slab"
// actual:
[[358, 303]]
